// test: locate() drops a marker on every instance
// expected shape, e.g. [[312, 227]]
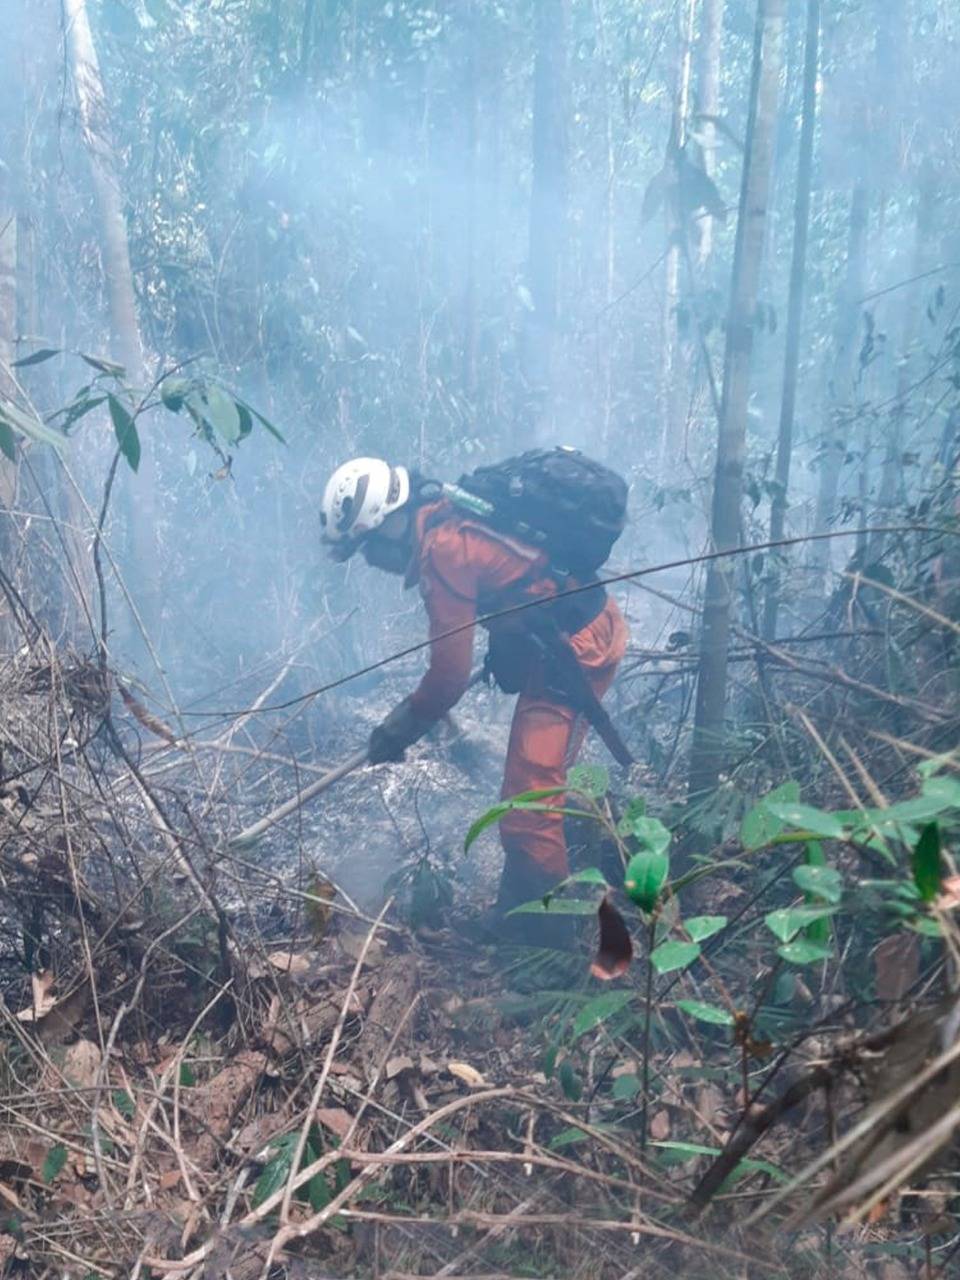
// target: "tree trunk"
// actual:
[[709, 49], [843, 380], [891, 475], [708, 747], [548, 210], [471, 114], [125, 341], [801, 226], [94, 120]]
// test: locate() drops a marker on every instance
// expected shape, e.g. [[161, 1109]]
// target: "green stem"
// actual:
[[647, 1015]]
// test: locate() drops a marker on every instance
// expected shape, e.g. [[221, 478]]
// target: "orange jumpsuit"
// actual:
[[459, 561]]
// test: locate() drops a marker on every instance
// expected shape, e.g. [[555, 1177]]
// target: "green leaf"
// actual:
[[38, 357], [645, 876], [187, 1077], [220, 411], [702, 927], [819, 882], [528, 800], [124, 1104], [637, 808], [556, 907], [674, 955], [8, 442], [566, 1138], [806, 818], [680, 1152], [275, 1174], [787, 922], [570, 1081], [706, 1012], [29, 425], [929, 928], [927, 867], [625, 1088], [944, 790], [79, 409], [53, 1162], [804, 951], [759, 826], [599, 1009], [173, 392], [264, 422], [650, 833], [103, 366], [591, 780], [125, 430]]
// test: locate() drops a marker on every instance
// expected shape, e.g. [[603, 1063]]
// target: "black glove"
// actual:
[[401, 729]]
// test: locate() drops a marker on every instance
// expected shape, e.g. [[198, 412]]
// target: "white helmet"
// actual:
[[359, 496]]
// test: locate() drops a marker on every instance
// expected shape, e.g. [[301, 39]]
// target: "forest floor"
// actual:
[[290, 1060]]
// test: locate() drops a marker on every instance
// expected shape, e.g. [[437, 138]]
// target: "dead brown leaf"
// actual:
[[297, 965], [469, 1075], [397, 1065], [660, 1126], [81, 1066], [41, 985], [615, 946], [219, 1100], [351, 944], [55, 1020], [317, 908], [336, 1119]]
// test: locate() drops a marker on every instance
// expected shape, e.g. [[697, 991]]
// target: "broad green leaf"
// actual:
[[637, 808], [8, 442], [275, 1174], [927, 768], [530, 800], [125, 430], [124, 1104], [819, 882], [187, 1077], [29, 425], [79, 409], [702, 927], [220, 411], [760, 826], [929, 928], [556, 907], [599, 1009], [589, 875], [926, 861], [38, 357], [674, 955], [570, 1081], [264, 422], [173, 392], [787, 922], [625, 1088], [566, 1138], [944, 790], [645, 876], [804, 951], [650, 833], [746, 1167], [706, 1012], [53, 1162], [806, 818], [591, 780]]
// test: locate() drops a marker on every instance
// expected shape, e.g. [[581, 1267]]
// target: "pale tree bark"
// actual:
[[709, 50], [708, 739], [842, 381], [798, 268], [891, 475], [548, 210], [126, 347], [673, 365], [8, 334]]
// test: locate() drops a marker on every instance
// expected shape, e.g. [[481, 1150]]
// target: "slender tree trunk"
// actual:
[[891, 475], [708, 747], [801, 226], [709, 49], [548, 208], [8, 333], [843, 379], [673, 365], [125, 342], [471, 114], [94, 121]]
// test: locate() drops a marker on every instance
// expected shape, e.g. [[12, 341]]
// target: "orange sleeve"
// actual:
[[448, 583]]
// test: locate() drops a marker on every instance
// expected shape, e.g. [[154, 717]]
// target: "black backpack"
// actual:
[[557, 499]]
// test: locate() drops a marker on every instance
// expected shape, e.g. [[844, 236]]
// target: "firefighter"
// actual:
[[463, 567]]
